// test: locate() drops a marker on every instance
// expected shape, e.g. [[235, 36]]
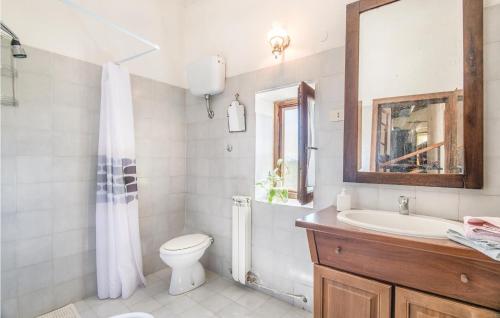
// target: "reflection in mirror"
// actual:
[[411, 88], [418, 134]]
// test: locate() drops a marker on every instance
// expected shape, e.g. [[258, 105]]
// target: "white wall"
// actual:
[[238, 29], [49, 162], [53, 26], [185, 30]]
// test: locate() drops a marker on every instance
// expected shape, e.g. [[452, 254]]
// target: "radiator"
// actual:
[[242, 238]]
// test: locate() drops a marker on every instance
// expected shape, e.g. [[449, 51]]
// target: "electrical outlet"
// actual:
[[337, 115]]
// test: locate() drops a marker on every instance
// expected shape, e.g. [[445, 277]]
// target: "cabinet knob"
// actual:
[[338, 250], [464, 279]]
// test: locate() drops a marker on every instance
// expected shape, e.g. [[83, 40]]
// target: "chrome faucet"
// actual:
[[403, 205]]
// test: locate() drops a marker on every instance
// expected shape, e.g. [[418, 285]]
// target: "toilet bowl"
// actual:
[[182, 254]]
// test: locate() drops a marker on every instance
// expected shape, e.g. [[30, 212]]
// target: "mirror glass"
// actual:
[[411, 88]]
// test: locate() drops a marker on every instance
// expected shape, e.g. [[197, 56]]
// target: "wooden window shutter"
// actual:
[[306, 146]]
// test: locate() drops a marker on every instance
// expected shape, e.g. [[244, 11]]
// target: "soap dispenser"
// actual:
[[343, 201]]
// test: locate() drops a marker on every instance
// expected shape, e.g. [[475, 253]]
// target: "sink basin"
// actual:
[[395, 223]]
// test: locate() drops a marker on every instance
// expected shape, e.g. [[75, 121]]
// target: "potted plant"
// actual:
[[273, 184]]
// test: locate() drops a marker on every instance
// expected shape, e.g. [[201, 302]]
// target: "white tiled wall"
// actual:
[[48, 161], [279, 252], [49, 148]]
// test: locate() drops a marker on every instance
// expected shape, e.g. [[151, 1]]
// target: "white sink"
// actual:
[[395, 223]]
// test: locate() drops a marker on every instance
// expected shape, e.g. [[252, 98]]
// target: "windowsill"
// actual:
[[290, 202]]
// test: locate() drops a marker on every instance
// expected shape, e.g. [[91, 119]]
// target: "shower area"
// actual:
[[50, 110]]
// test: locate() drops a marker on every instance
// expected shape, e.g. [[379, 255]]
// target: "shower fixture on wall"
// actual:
[[15, 44], [9, 71]]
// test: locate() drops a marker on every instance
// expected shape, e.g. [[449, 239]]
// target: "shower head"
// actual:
[[17, 49], [15, 45]]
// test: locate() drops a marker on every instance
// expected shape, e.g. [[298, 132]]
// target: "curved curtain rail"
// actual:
[[82, 9]]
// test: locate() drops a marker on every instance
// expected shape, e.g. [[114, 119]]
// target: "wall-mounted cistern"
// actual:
[[403, 205]]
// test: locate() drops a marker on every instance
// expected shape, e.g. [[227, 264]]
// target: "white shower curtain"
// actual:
[[118, 246]]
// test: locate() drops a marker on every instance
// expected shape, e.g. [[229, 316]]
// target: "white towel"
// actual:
[[488, 248]]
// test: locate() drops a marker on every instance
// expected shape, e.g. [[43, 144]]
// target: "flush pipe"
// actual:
[[210, 112]]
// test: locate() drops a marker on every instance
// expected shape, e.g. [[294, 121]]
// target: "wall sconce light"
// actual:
[[278, 39]]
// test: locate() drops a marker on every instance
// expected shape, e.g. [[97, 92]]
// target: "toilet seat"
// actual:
[[185, 244]]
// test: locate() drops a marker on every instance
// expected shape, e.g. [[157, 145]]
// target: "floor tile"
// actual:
[[164, 313], [110, 308], [156, 287], [298, 313], [148, 305], [252, 300], [217, 298], [139, 296], [233, 310], [93, 301], [88, 314], [272, 308], [216, 302], [200, 293], [219, 284], [197, 311], [234, 292], [164, 297], [82, 306], [211, 276], [180, 304]]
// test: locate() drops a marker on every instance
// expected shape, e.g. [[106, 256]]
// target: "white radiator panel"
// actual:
[[242, 238]]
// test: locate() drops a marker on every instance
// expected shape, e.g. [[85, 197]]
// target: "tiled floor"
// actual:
[[218, 297]]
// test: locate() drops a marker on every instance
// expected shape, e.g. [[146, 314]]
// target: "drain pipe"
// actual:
[[253, 280]]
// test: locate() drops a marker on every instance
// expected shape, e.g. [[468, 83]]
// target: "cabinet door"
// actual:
[[341, 295], [412, 304]]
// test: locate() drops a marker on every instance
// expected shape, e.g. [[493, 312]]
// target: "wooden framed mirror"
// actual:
[[414, 93]]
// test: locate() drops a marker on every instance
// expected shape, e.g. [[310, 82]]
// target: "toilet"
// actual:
[[182, 254]]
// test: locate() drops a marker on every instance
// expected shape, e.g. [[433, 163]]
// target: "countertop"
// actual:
[[326, 221]]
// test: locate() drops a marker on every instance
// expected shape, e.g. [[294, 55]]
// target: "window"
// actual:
[[285, 149], [286, 143]]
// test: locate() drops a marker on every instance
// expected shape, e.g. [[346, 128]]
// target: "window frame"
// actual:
[[278, 152]]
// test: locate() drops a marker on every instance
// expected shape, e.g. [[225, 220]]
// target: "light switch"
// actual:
[[337, 115]]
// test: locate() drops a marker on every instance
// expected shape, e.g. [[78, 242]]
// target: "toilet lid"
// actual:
[[183, 242]]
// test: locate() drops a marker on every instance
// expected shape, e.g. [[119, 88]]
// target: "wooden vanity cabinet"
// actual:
[[365, 274]]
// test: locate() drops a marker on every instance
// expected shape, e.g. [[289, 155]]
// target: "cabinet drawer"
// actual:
[[413, 304], [460, 278]]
